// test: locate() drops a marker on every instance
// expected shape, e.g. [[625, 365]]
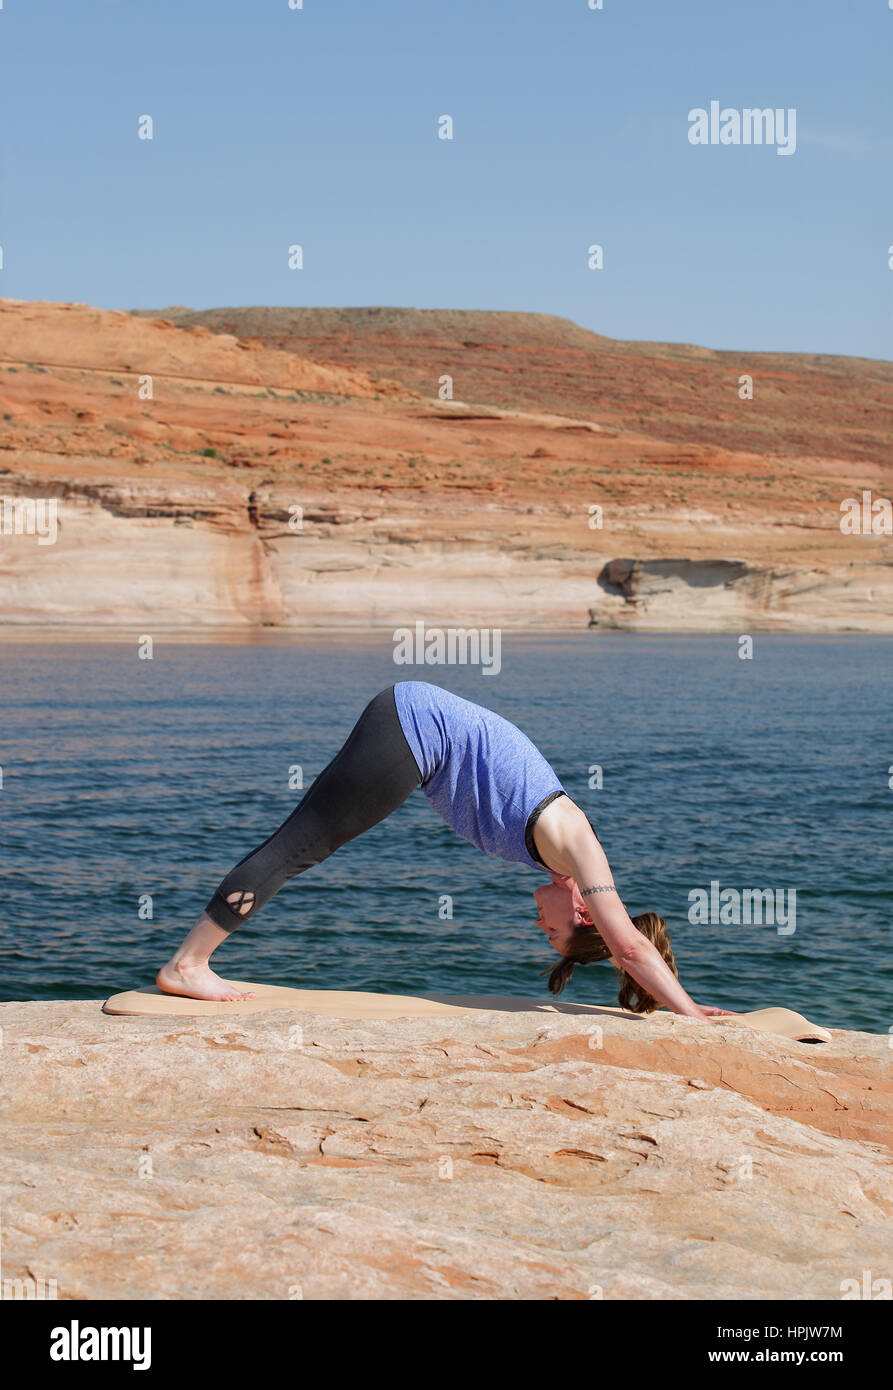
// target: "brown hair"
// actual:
[[588, 947]]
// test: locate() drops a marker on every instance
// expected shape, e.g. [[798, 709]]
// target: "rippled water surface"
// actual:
[[127, 780]]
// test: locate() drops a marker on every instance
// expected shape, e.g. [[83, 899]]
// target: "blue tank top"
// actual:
[[478, 771]]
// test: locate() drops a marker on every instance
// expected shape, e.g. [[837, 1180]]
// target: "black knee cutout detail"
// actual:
[[241, 902]]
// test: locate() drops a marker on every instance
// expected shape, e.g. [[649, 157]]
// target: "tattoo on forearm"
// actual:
[[599, 888]]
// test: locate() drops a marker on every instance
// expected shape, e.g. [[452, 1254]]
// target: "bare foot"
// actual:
[[196, 982]]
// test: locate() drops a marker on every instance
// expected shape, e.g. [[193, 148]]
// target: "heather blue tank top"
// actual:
[[478, 771]]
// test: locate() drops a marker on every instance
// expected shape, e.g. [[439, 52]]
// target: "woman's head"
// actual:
[[564, 917]]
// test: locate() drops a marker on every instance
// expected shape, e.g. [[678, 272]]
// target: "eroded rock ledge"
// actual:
[[494, 1156], [210, 481]]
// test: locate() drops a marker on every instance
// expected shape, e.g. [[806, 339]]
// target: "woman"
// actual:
[[489, 782]]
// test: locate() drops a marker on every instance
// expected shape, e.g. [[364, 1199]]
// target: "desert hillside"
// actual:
[[802, 405], [296, 468]]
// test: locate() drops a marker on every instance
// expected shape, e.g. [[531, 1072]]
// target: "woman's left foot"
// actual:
[[196, 982]]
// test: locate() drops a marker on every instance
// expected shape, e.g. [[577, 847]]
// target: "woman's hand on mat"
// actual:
[[707, 1011]]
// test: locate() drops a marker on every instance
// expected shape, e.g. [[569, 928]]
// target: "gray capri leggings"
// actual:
[[373, 773]]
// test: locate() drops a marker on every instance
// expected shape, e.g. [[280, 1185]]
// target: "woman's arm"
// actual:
[[568, 844]]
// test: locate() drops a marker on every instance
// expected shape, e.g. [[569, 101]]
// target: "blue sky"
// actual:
[[318, 126]]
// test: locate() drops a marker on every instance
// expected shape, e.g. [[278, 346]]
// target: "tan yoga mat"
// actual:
[[353, 1004]]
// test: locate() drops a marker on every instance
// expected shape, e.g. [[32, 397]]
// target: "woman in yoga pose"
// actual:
[[489, 782]]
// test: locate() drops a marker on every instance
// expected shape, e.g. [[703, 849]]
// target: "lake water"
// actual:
[[128, 779]]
